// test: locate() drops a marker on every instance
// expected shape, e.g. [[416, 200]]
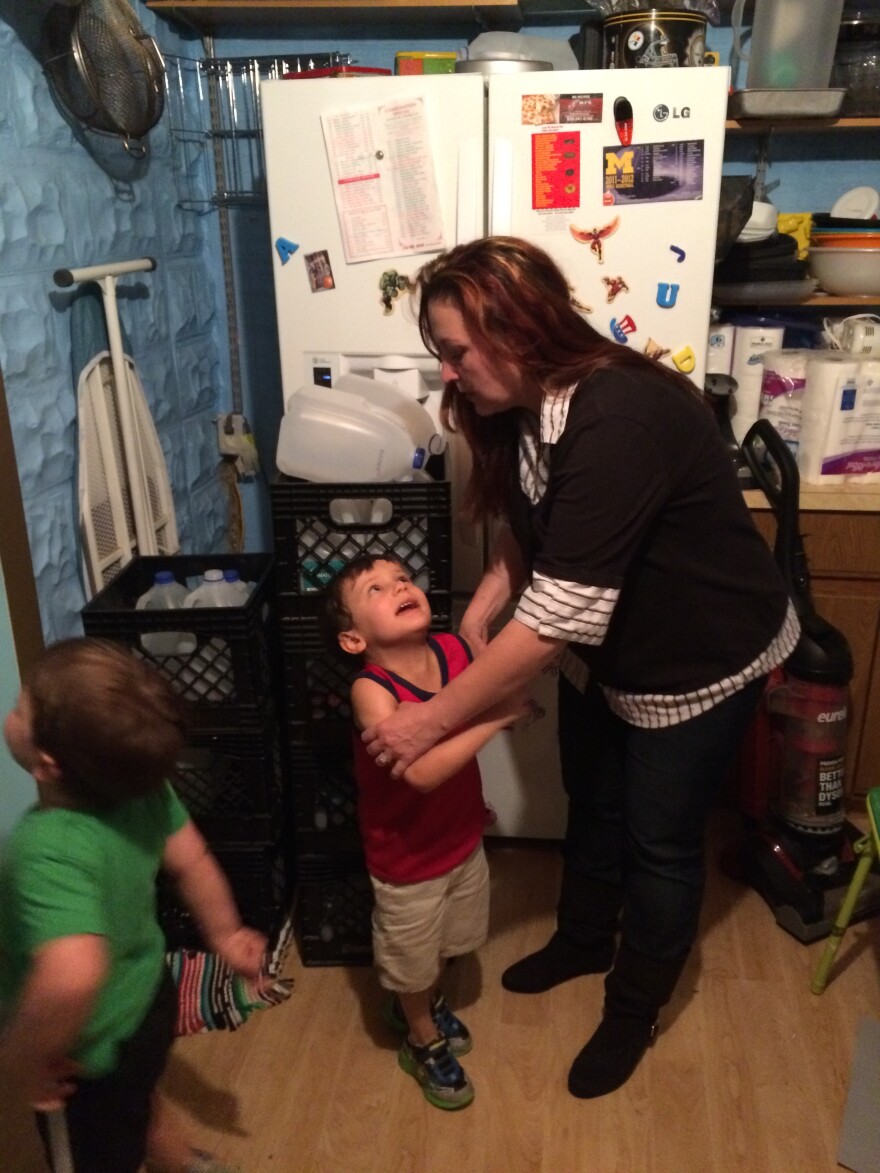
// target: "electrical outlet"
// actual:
[[235, 440]]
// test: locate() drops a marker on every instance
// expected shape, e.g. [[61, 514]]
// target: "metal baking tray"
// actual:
[[785, 103]]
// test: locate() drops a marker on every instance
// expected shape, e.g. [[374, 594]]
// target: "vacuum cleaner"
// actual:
[[797, 851]]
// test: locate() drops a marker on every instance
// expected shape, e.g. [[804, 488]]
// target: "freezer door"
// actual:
[[617, 174], [421, 139]]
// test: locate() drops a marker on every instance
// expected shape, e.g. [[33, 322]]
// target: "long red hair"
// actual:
[[517, 304]]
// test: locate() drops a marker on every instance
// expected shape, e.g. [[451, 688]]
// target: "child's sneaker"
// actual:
[[448, 1024], [438, 1072]]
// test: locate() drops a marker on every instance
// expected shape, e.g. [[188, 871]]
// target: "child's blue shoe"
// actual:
[[449, 1025], [438, 1073]]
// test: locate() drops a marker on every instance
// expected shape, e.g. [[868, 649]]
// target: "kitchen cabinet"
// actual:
[[840, 525]]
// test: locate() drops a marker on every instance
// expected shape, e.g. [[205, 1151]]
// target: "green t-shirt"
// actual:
[[66, 872]]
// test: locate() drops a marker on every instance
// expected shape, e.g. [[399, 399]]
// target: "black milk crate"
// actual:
[[318, 678], [261, 879], [333, 911], [233, 785], [233, 674], [319, 528], [324, 792]]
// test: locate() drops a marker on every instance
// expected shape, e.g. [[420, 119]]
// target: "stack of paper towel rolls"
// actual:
[[826, 406], [840, 419], [750, 343]]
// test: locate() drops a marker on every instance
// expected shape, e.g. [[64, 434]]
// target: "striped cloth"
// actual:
[[211, 997]]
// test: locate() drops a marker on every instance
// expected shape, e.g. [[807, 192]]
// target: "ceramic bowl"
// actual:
[[845, 271]]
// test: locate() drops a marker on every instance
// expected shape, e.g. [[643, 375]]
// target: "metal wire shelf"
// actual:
[[215, 119]]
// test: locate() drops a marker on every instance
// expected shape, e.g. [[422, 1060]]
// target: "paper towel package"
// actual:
[[782, 391], [840, 419], [719, 354], [749, 346]]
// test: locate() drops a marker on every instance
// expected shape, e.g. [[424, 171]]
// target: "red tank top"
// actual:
[[409, 836]]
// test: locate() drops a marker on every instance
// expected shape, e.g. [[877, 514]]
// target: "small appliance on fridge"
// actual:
[[615, 173]]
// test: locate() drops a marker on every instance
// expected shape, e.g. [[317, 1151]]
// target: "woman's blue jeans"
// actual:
[[639, 801]]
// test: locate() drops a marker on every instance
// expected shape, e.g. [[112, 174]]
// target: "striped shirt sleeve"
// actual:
[[567, 610]]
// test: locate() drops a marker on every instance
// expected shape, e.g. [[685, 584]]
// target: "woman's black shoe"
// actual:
[[559, 961], [611, 1056]]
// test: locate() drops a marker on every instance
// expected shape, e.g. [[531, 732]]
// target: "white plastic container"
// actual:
[[242, 589], [360, 430], [166, 594], [209, 672], [216, 591]]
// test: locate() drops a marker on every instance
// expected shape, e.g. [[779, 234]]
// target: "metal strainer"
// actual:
[[104, 68]]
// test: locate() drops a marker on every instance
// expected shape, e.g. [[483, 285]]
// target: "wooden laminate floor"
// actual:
[[750, 1070]]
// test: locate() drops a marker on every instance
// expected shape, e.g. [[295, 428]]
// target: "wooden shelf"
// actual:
[[211, 14], [765, 125]]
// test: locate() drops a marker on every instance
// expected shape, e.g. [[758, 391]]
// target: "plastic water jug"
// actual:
[[792, 43], [215, 590], [209, 673], [166, 594], [360, 430], [242, 589]]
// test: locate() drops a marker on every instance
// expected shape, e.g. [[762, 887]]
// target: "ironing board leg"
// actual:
[[866, 850]]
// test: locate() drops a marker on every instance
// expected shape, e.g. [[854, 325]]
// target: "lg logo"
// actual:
[[662, 112]]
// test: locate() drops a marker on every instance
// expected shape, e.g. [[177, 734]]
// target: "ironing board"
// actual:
[[867, 849]]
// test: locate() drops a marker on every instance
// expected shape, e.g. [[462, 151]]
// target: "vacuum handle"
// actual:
[[783, 490], [776, 472]]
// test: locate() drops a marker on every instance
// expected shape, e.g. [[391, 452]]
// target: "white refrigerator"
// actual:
[[615, 173]]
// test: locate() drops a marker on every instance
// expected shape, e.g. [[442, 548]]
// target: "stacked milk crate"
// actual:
[[231, 775], [318, 529]]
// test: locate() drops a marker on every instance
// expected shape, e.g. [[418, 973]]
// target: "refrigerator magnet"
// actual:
[[623, 120], [319, 271], [285, 249], [667, 295], [620, 329], [680, 254], [655, 350], [594, 236], [685, 360], [391, 285], [613, 286]]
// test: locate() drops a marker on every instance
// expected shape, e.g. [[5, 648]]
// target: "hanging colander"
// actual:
[[105, 70]]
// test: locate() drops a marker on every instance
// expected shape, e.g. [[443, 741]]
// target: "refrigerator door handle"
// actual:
[[501, 196], [469, 197]]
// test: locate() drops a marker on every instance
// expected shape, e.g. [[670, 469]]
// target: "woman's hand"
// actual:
[[397, 741], [475, 635]]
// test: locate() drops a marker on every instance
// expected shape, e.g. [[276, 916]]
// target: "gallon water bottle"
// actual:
[[242, 589], [214, 591], [209, 673], [166, 594]]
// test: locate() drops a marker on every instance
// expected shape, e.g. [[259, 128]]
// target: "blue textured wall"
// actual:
[[69, 200]]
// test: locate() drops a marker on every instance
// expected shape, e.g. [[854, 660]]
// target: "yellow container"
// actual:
[[412, 61]]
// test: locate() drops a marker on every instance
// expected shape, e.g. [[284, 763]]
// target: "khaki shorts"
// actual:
[[417, 926]]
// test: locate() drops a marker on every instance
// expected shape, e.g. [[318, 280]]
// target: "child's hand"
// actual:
[[244, 951], [526, 710]]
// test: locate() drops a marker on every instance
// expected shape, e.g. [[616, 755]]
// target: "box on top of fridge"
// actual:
[[339, 71], [409, 61]]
